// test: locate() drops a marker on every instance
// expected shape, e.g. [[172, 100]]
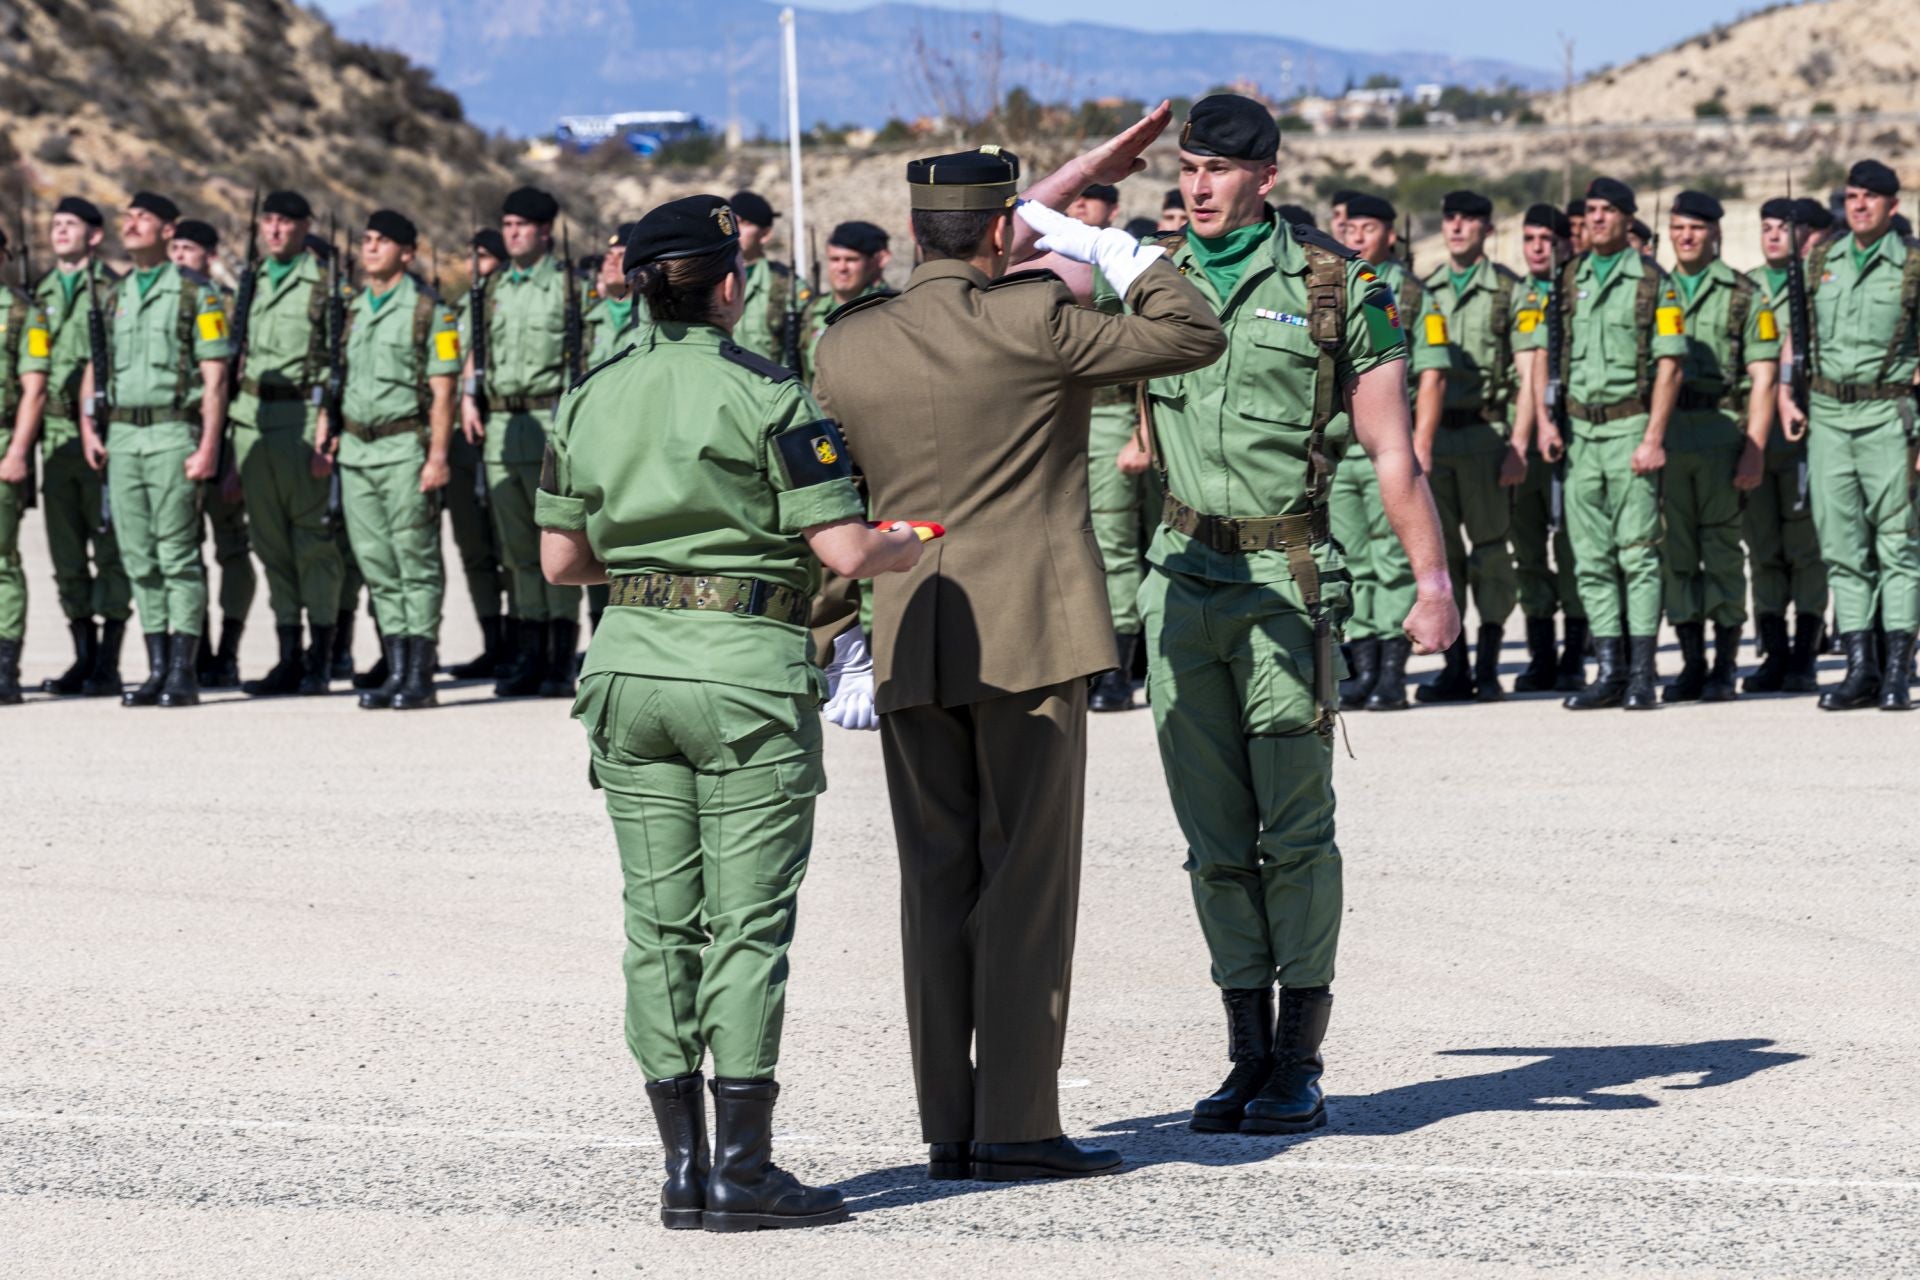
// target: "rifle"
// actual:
[[1799, 371], [572, 327], [30, 486], [1408, 237], [329, 393], [237, 329], [476, 382], [1556, 395], [97, 360]]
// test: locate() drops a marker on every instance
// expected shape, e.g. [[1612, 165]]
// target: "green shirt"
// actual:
[[1708, 366], [66, 308], [1856, 315], [151, 370], [1467, 302], [763, 323], [1606, 337], [394, 344], [286, 348], [25, 345], [526, 332], [813, 322], [1530, 314]]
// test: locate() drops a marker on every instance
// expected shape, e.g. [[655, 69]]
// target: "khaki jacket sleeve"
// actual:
[[1170, 329]]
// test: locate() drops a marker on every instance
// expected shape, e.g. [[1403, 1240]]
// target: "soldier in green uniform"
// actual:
[[403, 354], [167, 400], [763, 325], [25, 348], [1245, 595], [87, 572], [1861, 438], [526, 371], [1383, 586], [192, 249], [1783, 551], [1716, 448], [857, 258], [615, 319], [702, 480], [1624, 344], [465, 499]]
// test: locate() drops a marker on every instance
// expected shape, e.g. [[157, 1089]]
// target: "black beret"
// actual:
[[396, 227], [1230, 126], [861, 237], [1698, 204], [1102, 191], [1468, 204], [1873, 176], [489, 240], [530, 203], [1779, 207], [1294, 216], [1576, 208], [1550, 217], [1342, 197], [1809, 212], [85, 210], [3, 237], [981, 181], [200, 233], [752, 207], [1614, 192], [1640, 231], [288, 204], [157, 205], [1900, 226], [1172, 200], [623, 232], [683, 228], [1141, 228], [319, 248], [1363, 204]]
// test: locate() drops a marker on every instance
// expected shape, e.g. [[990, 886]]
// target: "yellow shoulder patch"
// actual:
[[1436, 327], [446, 345], [213, 326], [823, 449], [1527, 321], [1667, 322], [1768, 329], [38, 345]]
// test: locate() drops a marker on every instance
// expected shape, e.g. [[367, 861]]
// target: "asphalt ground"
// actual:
[[293, 989]]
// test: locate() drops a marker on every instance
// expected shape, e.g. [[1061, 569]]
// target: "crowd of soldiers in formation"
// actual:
[[259, 378]]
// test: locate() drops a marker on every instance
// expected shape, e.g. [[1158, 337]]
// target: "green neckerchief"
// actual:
[[1225, 258], [277, 270], [1460, 279], [620, 309], [375, 301], [143, 280], [1690, 284], [70, 280], [1604, 263]]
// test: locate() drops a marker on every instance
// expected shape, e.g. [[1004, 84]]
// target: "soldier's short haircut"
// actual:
[[953, 233]]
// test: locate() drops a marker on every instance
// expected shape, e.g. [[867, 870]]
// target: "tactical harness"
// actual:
[[1739, 311], [424, 305], [1903, 331], [1646, 301], [1497, 388], [176, 409]]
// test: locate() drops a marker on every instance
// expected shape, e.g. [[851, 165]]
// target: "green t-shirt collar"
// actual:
[[1604, 263], [145, 280], [1224, 258], [1690, 284], [1461, 279], [277, 270]]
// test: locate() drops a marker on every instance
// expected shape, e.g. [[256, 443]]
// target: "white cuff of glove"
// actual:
[[850, 683], [1120, 257]]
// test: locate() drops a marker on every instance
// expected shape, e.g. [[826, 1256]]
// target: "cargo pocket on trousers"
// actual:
[[1280, 695], [794, 784]]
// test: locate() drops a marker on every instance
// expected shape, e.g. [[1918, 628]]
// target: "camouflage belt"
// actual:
[[380, 431], [273, 391], [1232, 535], [1601, 414], [524, 404], [711, 592], [1861, 392], [146, 417]]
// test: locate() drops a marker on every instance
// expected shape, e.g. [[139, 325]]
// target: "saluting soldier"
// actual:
[[702, 481], [465, 499], [615, 318], [25, 348], [1383, 586], [88, 574], [1716, 448], [763, 325], [857, 258], [167, 398], [403, 354], [1623, 346], [1783, 551], [1861, 438]]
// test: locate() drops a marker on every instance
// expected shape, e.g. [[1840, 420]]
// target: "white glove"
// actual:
[[850, 683], [1118, 255]]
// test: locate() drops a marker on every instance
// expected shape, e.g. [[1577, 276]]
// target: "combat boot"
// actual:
[[1776, 655], [1723, 683], [1609, 684], [203, 664], [1809, 635], [1250, 1050], [340, 663], [1643, 674], [1291, 1100], [1692, 680], [1540, 673], [147, 693], [10, 673], [86, 651], [1897, 673], [563, 647], [1572, 676], [1455, 681], [1390, 687], [746, 1190], [416, 691], [528, 669], [182, 688], [1859, 687], [223, 672], [487, 665], [680, 1111], [381, 672], [1363, 666], [284, 678], [1486, 666], [104, 680], [317, 669], [1113, 690], [394, 658]]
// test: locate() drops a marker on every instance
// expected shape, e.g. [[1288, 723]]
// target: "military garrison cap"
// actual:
[[1779, 207], [1698, 204], [1809, 212], [1871, 175], [488, 240], [1232, 127], [198, 232], [1102, 191], [288, 204], [1551, 217], [157, 205], [1614, 192], [983, 180], [749, 206], [85, 210], [396, 227], [683, 228], [531, 203], [1364, 204], [861, 237], [1468, 204]]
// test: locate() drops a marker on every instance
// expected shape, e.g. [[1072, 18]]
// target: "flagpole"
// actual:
[[799, 224]]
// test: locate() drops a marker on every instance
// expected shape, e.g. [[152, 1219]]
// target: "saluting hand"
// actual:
[[1120, 156]]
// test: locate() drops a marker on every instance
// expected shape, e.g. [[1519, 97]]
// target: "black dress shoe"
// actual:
[[949, 1161], [1049, 1158]]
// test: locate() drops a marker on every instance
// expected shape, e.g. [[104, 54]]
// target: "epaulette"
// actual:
[[1024, 277], [1652, 264], [1506, 273], [870, 300], [425, 288], [1305, 234], [779, 268], [771, 370], [1168, 240], [615, 358]]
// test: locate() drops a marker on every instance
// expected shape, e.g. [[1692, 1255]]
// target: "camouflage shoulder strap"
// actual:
[[1327, 325], [1646, 315], [316, 356], [1499, 383], [1904, 327], [425, 303], [1739, 311], [1568, 301], [189, 372]]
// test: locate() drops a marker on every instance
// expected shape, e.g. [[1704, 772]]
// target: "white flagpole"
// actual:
[[799, 223]]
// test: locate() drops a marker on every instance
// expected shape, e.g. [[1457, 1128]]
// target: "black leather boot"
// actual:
[[529, 667], [1113, 690], [393, 657], [1861, 685], [746, 1190], [1643, 674], [1363, 666], [949, 1161], [1390, 687], [1048, 1158], [1250, 1049], [284, 678], [487, 665], [320, 663], [1291, 1100], [1609, 684], [416, 689], [86, 652], [104, 680], [1541, 671], [681, 1113], [381, 672], [1776, 655], [10, 673], [1897, 673], [182, 688], [223, 672], [1803, 674], [1486, 666], [1455, 681], [563, 649], [1572, 677], [340, 664], [147, 693], [1692, 680], [203, 664], [1723, 682]]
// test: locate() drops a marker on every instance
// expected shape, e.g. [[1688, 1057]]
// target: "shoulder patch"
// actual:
[[858, 304], [1023, 277], [1383, 319], [1304, 234], [813, 453], [615, 358], [771, 370]]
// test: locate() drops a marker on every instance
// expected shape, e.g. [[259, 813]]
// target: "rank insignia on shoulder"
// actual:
[[1280, 317]]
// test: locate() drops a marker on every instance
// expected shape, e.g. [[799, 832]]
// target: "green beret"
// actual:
[[983, 180]]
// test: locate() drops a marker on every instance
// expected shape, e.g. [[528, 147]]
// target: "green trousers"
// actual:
[[510, 490], [1118, 501], [287, 516], [157, 512], [1476, 515], [87, 573], [1783, 551], [232, 550], [1545, 579], [711, 791], [1701, 560], [1230, 668], [466, 507], [1863, 507], [13, 576], [1383, 585], [1613, 517], [396, 543]]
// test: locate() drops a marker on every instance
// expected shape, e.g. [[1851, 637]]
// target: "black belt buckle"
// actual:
[[1223, 535], [757, 598]]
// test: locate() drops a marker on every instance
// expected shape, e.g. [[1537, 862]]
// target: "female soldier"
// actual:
[[701, 482]]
